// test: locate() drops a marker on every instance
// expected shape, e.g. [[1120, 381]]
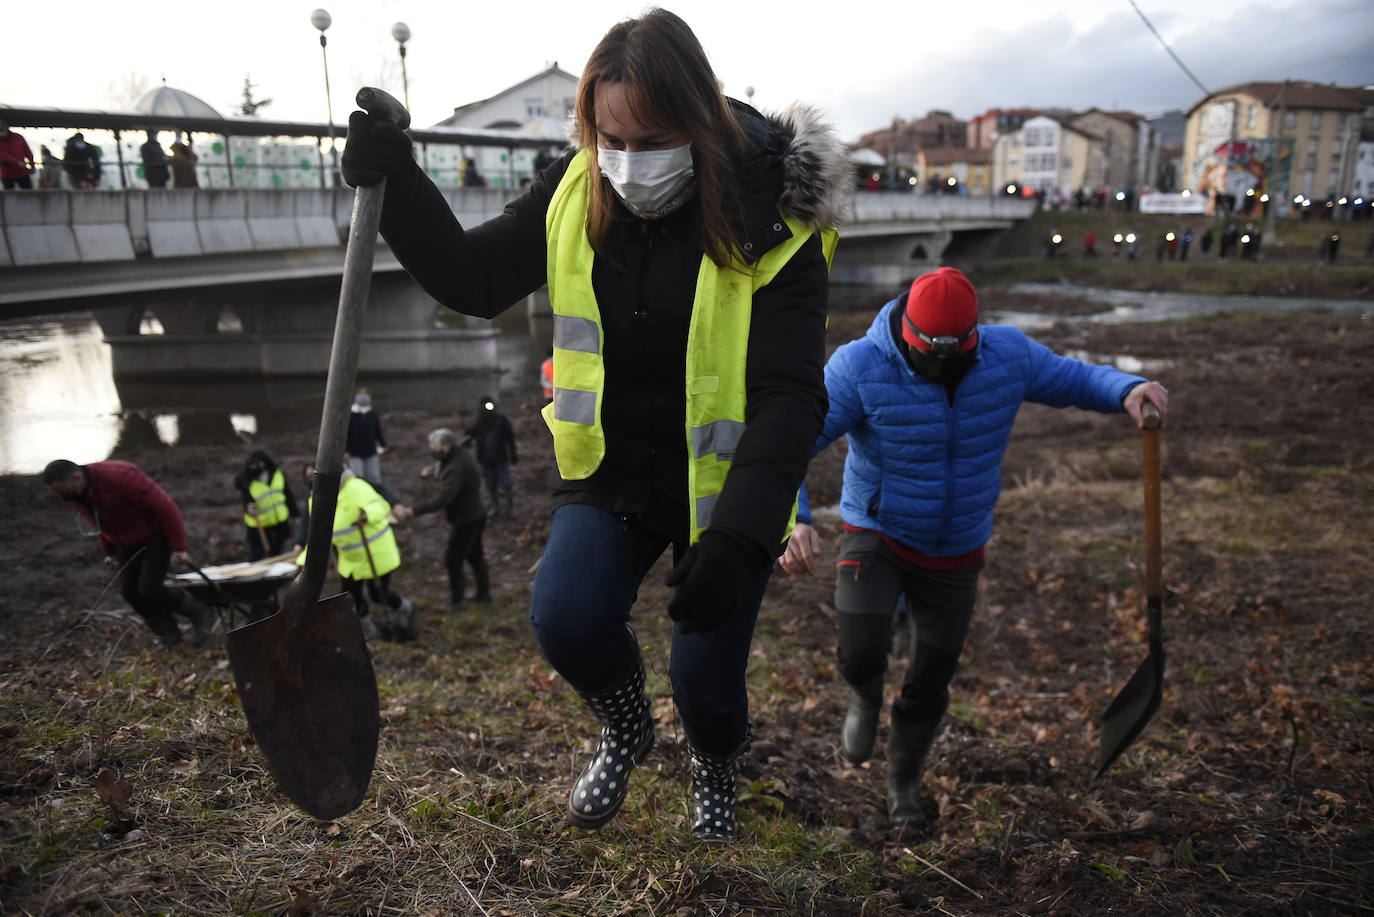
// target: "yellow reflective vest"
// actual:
[[356, 494], [271, 500], [717, 349]]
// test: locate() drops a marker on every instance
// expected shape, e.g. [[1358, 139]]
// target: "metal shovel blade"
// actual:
[[1132, 709], [310, 696]]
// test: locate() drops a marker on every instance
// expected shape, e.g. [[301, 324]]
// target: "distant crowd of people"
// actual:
[[1229, 241], [80, 166]]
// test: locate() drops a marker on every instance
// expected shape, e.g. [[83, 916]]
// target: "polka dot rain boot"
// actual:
[[713, 793], [627, 734]]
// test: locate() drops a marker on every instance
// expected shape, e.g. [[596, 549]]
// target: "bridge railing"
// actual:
[[255, 153], [900, 206], [78, 227]]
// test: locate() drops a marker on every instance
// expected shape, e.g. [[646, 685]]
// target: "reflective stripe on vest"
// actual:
[[717, 348], [271, 501]]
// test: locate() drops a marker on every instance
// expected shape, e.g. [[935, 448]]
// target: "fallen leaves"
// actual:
[[115, 792]]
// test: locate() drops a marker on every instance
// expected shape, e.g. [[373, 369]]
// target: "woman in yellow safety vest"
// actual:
[[685, 243], [366, 554], [268, 505]]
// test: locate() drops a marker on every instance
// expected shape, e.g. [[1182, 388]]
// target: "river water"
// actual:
[[61, 399]]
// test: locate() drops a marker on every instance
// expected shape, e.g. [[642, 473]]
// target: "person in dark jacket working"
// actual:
[[268, 505], [140, 533], [927, 399], [685, 246], [459, 495], [495, 439]]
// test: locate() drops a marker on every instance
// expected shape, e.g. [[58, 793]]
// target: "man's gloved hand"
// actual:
[[374, 152], [708, 583]]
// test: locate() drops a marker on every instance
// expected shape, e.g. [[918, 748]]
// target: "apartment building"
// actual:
[[1126, 145], [1050, 156], [1295, 137]]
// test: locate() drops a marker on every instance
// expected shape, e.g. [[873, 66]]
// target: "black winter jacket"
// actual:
[[364, 434], [459, 488], [644, 287]]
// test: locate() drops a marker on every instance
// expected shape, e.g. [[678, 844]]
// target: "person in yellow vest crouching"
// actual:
[[366, 553], [268, 505]]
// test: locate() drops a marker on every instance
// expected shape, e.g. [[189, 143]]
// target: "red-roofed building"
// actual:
[[985, 128]]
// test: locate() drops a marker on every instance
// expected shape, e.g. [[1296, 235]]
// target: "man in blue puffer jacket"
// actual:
[[927, 398]]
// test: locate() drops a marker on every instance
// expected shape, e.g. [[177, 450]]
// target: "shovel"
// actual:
[[1138, 701], [304, 674]]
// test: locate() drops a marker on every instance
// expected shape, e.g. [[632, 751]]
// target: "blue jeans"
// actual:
[[587, 583], [369, 469]]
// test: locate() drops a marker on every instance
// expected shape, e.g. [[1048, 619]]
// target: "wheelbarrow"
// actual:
[[241, 592]]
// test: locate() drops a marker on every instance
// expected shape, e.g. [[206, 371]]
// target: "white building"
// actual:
[[548, 95], [539, 106], [1363, 184], [1049, 156]]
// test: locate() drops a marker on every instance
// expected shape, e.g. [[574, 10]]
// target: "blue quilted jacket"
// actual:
[[927, 472]]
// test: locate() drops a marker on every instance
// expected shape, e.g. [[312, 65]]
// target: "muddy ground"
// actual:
[[1250, 793]]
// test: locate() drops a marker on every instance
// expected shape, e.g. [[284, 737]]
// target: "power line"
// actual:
[[1182, 66]]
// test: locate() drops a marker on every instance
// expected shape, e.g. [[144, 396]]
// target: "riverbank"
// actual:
[[1290, 264], [1248, 792], [1237, 278]]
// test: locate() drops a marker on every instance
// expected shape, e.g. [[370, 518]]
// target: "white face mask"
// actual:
[[647, 181]]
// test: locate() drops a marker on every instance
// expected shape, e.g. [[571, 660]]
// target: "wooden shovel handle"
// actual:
[[1149, 441], [343, 358]]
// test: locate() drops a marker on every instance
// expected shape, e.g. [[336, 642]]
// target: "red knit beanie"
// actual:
[[941, 303]]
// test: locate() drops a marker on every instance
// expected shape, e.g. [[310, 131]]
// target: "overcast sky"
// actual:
[[860, 63]]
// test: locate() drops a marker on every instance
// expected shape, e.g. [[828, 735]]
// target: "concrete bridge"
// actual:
[[222, 282]]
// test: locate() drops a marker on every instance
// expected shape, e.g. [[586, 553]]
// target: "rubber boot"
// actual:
[[165, 628], [403, 621], [713, 792], [369, 627], [913, 732], [202, 618], [627, 734], [509, 498], [481, 581], [861, 719]]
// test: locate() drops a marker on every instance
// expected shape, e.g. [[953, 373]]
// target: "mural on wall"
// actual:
[[1236, 171]]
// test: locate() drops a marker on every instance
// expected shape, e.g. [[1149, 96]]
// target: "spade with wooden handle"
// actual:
[[1132, 709], [304, 674]]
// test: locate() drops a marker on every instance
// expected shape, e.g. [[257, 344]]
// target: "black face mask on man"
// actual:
[[942, 369]]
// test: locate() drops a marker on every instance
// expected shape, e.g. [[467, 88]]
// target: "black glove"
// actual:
[[374, 152], [709, 582]]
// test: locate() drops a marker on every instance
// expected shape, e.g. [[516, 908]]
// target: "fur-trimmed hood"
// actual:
[[815, 168]]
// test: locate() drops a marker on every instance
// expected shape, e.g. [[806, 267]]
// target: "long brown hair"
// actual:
[[668, 83]]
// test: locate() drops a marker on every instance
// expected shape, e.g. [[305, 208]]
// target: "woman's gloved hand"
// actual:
[[709, 582], [375, 152]]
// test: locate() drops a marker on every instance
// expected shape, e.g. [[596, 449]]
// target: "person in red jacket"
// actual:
[[16, 159], [140, 533]]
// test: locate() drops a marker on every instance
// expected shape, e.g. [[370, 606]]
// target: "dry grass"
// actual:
[[1249, 793]]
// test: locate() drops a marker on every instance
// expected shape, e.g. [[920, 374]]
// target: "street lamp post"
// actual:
[[401, 32], [321, 20]]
